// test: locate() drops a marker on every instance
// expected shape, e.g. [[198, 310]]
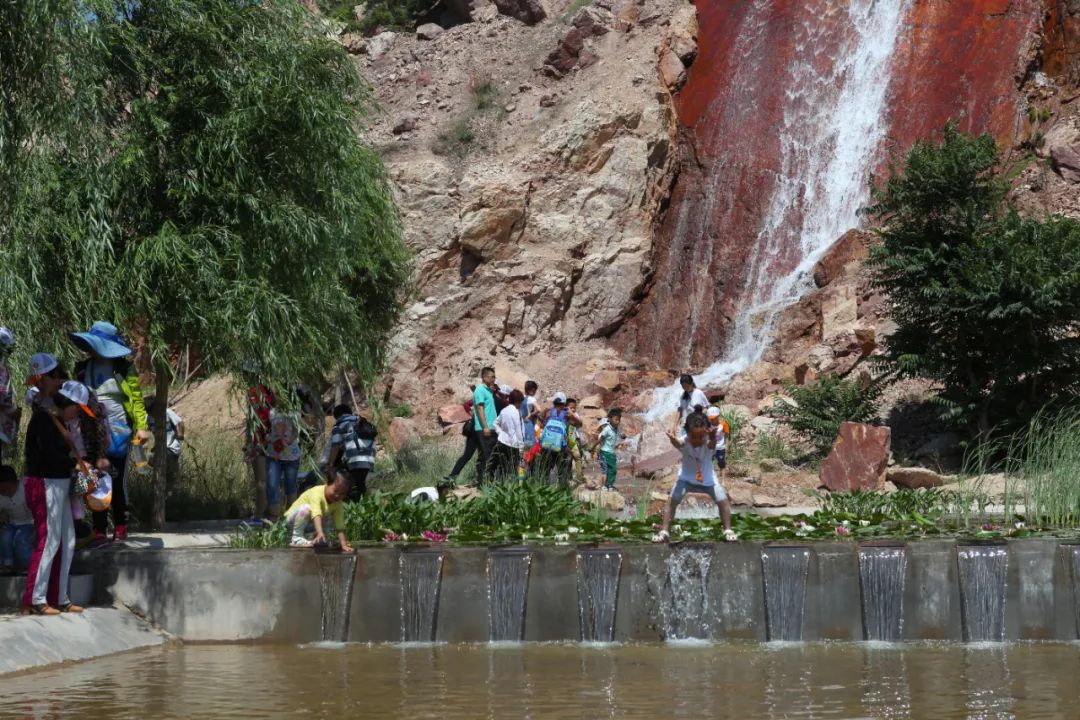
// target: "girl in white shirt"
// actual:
[[506, 457], [691, 401]]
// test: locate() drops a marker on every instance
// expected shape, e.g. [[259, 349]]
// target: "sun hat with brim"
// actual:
[[102, 339], [43, 363], [100, 498], [559, 399], [7, 338], [77, 393], [505, 390]]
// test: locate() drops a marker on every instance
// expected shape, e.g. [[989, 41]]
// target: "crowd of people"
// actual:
[[86, 434], [513, 436]]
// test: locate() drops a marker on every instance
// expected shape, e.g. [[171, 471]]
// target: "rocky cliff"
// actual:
[[601, 194]]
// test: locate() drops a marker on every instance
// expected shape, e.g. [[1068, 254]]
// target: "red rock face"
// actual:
[[858, 458], [756, 114]]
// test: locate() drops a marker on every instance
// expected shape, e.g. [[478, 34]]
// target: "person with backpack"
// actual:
[[555, 442], [352, 449], [111, 376]]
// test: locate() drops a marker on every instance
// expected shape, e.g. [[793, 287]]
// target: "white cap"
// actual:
[[713, 412], [7, 338], [76, 392], [604, 422], [559, 398], [505, 389], [43, 363]]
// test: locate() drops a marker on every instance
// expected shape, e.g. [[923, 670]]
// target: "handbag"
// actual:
[[83, 477]]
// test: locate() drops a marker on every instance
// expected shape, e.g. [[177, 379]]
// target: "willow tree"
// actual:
[[244, 214]]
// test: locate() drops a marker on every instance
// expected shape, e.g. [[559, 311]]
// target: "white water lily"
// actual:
[[864, 523], [676, 528], [562, 537], [573, 530], [1020, 526], [846, 523]]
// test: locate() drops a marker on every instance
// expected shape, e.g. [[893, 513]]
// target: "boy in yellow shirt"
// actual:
[[316, 504]]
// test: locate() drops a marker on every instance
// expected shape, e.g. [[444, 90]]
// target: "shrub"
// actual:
[[771, 446], [737, 421], [457, 141], [485, 92], [985, 301], [380, 14], [818, 409]]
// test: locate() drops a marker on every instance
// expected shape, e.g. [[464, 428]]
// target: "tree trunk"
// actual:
[[163, 379]]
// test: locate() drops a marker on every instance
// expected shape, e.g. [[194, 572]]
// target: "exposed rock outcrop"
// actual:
[[858, 458]]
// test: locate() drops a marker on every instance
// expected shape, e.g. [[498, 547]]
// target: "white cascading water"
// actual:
[[833, 125]]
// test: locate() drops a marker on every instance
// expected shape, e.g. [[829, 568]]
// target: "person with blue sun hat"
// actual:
[[109, 372]]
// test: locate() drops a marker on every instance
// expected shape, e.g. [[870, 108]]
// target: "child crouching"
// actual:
[[696, 475], [317, 504]]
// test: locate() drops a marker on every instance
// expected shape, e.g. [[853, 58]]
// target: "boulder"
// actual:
[[611, 500], [659, 464], [1063, 148], [564, 58], [858, 458], [354, 44], [741, 495], [381, 44], [910, 478], [607, 381], [453, 414], [767, 501], [852, 247], [529, 12], [672, 70], [429, 31], [593, 20], [489, 223], [839, 312], [404, 125], [402, 432]]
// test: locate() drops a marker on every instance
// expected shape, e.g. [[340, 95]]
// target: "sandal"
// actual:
[[730, 535], [71, 608], [661, 537], [43, 609]]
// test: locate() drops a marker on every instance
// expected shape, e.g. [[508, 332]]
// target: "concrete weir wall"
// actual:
[[229, 595]]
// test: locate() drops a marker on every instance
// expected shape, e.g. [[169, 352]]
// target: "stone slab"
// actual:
[[31, 642]]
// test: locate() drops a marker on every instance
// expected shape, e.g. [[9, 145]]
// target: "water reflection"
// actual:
[[549, 682]]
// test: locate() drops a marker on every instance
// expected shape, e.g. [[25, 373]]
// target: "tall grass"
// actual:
[[1045, 460], [420, 464], [738, 422]]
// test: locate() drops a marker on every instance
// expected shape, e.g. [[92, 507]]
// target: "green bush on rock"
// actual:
[[817, 410]]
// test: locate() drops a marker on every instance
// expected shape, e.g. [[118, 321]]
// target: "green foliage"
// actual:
[[985, 301], [457, 141], [415, 465], [265, 536], [485, 93], [818, 409], [383, 14], [738, 422], [1044, 458], [770, 445], [402, 410]]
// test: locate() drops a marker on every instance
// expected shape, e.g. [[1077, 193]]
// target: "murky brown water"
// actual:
[[543, 682]]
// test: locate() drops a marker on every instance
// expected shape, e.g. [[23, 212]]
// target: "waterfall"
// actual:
[[508, 585], [421, 576], [830, 133], [982, 591], [681, 589], [336, 574], [881, 578], [784, 570], [1073, 561], [598, 592]]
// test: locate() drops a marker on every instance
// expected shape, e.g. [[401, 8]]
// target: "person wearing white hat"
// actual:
[[9, 407], [49, 464]]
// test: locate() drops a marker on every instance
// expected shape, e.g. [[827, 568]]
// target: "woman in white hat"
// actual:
[[50, 460]]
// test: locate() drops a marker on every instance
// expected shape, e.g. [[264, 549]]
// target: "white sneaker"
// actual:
[[300, 542], [730, 536]]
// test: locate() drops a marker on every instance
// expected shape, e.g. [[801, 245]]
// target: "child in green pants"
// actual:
[[609, 439]]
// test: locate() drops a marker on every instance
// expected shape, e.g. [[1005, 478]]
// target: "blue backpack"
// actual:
[[554, 435]]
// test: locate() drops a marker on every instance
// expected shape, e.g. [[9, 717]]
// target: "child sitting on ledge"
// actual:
[[316, 504]]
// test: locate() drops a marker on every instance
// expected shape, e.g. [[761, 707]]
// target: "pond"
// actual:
[[556, 681]]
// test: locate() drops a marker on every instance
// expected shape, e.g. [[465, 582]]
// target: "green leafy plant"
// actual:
[[817, 410], [984, 300], [737, 421], [382, 14], [770, 445], [262, 537]]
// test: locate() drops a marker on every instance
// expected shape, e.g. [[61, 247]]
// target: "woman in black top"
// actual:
[[49, 466]]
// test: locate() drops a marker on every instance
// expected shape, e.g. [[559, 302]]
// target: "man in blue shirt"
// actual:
[[484, 415]]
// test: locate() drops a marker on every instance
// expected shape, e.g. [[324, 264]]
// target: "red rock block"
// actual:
[[453, 414], [853, 246], [858, 458]]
